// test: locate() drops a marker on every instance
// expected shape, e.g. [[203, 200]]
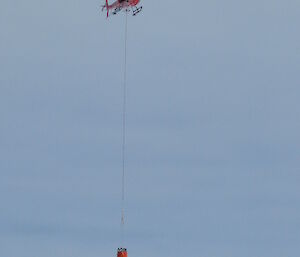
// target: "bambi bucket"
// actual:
[[122, 252]]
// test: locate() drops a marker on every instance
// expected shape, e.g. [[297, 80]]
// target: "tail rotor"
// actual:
[[106, 3], [106, 6]]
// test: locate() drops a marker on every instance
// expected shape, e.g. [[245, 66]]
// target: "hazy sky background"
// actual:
[[213, 143]]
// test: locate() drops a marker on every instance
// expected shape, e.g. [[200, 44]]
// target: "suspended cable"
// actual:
[[124, 131]]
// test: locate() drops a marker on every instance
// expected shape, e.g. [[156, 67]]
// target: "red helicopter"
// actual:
[[122, 5]]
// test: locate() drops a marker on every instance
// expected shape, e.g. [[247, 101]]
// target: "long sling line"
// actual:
[[124, 132]]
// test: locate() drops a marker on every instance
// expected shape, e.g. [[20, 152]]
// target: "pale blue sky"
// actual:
[[213, 151]]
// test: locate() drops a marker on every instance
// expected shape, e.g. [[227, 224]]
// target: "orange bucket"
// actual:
[[122, 252]]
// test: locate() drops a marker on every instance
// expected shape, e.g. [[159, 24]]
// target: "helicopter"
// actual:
[[119, 5]]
